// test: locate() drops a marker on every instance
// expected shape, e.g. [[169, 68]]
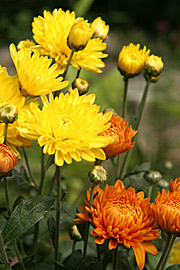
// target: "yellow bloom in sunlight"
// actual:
[[79, 35], [153, 65], [36, 74], [132, 59], [67, 126], [51, 33], [100, 29], [10, 94], [27, 44], [174, 257]]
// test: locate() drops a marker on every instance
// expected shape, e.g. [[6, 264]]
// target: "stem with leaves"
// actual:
[[167, 249]]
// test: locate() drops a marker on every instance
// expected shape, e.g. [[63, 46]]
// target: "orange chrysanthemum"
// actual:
[[166, 210], [122, 137], [122, 216], [7, 159], [175, 185]]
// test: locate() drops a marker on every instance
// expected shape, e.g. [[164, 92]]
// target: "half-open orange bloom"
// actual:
[[7, 159], [122, 136], [175, 185], [122, 216], [166, 210]]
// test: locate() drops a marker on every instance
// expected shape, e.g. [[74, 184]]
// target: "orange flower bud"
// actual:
[[7, 159], [122, 137]]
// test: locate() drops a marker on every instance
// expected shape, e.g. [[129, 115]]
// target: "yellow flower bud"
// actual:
[[153, 65], [131, 60], [79, 35], [8, 114], [153, 177], [98, 175], [82, 86], [7, 159], [74, 233], [100, 29]]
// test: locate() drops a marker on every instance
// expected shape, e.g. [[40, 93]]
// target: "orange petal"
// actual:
[[113, 243], [149, 247], [100, 240], [139, 255]]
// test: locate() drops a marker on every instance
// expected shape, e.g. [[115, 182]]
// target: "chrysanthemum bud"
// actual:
[[100, 29], [74, 233], [7, 159], [8, 114], [153, 177], [82, 86], [98, 175], [131, 60], [79, 35], [153, 79], [163, 184], [153, 65]]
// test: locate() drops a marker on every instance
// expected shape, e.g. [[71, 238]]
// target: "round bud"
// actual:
[[98, 175], [153, 177], [8, 114], [153, 65], [7, 160], [82, 86], [74, 233]]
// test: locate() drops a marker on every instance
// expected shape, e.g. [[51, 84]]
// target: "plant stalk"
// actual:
[[5, 132], [7, 196], [18, 254], [167, 249], [29, 170], [58, 212], [124, 104], [3, 251], [115, 258]]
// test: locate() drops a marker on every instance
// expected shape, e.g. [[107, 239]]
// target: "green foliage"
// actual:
[[5, 267], [174, 267], [25, 215]]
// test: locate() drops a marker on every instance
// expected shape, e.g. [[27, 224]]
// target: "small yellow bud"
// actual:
[[153, 65], [98, 175], [100, 29], [82, 86], [8, 114], [79, 35], [7, 160], [153, 177], [131, 60], [74, 233]]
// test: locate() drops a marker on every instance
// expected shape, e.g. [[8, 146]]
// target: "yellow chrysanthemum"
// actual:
[[51, 33], [100, 29], [67, 126], [35, 73], [10, 94], [174, 257], [131, 60]]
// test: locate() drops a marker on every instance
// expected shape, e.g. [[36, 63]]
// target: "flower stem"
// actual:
[[3, 251], [5, 132], [124, 105], [167, 249], [98, 248], [115, 258], [138, 119], [68, 64], [18, 254], [29, 170], [78, 72], [73, 246], [58, 212], [7, 195], [87, 229]]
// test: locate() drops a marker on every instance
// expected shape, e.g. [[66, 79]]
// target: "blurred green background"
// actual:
[[151, 23]]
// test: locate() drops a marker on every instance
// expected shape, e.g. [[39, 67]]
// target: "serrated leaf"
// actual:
[[25, 215], [174, 267], [73, 260]]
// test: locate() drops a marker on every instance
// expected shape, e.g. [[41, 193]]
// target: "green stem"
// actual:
[[98, 248], [29, 170], [5, 132], [68, 64], [87, 230], [58, 212], [3, 251], [139, 115], [167, 249], [52, 184], [143, 101], [115, 258], [78, 72], [74, 244], [7, 195], [124, 105], [149, 192], [18, 254]]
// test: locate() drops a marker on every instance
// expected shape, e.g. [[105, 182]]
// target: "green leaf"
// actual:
[[174, 267], [5, 267], [95, 266], [21, 177], [25, 215], [73, 260], [19, 199]]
